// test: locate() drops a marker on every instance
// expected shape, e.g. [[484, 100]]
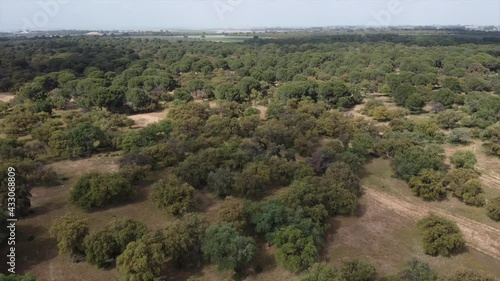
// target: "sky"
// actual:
[[224, 14]]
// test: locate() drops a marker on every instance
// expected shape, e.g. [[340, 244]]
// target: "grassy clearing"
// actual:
[[388, 237]]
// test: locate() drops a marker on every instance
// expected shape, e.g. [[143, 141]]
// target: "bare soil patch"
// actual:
[[263, 111], [144, 119], [6, 97]]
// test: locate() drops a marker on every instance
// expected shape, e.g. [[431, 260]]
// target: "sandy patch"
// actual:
[[6, 97]]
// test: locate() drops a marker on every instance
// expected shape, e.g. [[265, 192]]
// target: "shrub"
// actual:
[[172, 195], [416, 270], [70, 232], [356, 270], [440, 236], [321, 272], [410, 162], [493, 209], [427, 185], [471, 193], [100, 248], [464, 159], [96, 190]]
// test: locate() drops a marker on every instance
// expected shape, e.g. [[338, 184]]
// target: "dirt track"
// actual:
[[479, 236]]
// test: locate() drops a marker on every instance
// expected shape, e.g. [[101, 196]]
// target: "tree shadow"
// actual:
[[334, 226], [45, 209], [32, 247]]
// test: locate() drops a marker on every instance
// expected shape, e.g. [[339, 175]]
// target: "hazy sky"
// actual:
[[165, 14]]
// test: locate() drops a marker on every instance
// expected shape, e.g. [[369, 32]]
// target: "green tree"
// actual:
[[321, 272], [440, 236], [471, 193], [125, 231], [225, 247], [417, 270], [70, 233], [233, 212], [221, 182], [172, 195], [143, 259], [411, 161], [459, 135], [309, 194], [295, 251], [356, 270], [340, 173], [464, 159], [414, 102], [427, 185], [493, 209], [100, 248], [253, 180], [268, 216], [183, 239], [84, 138], [402, 92], [96, 190]]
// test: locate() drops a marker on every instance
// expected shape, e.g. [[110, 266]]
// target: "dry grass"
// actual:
[[144, 119], [387, 231], [40, 257]]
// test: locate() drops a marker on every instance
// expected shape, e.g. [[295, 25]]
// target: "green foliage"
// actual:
[[70, 232], [172, 195], [321, 272], [471, 193], [310, 194], [440, 236], [417, 270], [449, 119], [414, 102], [143, 259], [427, 185], [464, 159], [268, 216], [298, 90], [493, 209], [402, 92], [225, 247], [338, 94], [183, 240], [459, 136], [221, 182], [410, 162], [253, 180], [446, 97], [83, 139], [295, 250], [97, 190], [100, 248], [125, 231], [356, 270], [339, 173], [233, 212]]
